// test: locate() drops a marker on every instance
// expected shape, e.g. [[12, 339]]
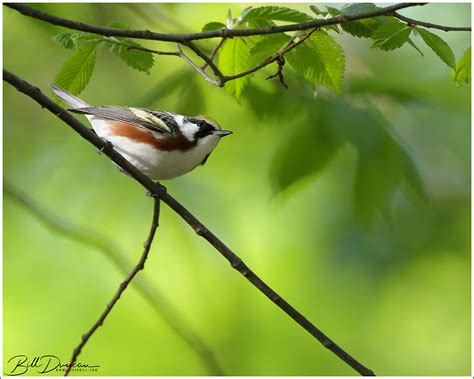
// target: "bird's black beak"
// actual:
[[221, 133]]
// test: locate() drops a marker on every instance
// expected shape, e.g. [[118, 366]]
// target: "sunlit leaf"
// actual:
[[234, 58], [391, 35], [462, 73], [439, 46], [276, 13], [138, 59], [320, 60], [266, 47], [77, 70]]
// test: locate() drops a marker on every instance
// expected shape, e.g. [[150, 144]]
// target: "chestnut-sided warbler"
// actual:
[[163, 145]]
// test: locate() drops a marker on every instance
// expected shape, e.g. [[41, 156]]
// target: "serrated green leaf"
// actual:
[[320, 60], [439, 46], [462, 74], [358, 8], [138, 59], [234, 58], [391, 35], [117, 25], [360, 28], [77, 70], [317, 11], [363, 28], [266, 47], [277, 13], [67, 40], [213, 26]]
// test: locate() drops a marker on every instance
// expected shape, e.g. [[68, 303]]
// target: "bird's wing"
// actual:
[[156, 121]]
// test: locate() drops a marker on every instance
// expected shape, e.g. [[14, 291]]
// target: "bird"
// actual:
[[163, 145]]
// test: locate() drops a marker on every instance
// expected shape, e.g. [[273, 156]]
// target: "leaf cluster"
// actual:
[[319, 59], [77, 70]]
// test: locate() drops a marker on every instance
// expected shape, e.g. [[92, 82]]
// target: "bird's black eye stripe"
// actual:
[[204, 127]]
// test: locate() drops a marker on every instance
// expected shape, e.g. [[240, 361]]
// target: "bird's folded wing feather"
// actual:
[[156, 121]]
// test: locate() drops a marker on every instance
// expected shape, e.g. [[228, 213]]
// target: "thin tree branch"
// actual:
[[214, 51], [199, 70], [279, 73], [201, 230], [223, 33], [123, 286], [206, 59], [151, 294], [411, 21]]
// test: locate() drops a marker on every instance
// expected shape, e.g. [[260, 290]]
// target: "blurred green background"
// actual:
[[391, 283]]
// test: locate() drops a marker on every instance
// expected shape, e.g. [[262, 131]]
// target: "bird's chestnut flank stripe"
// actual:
[[177, 142], [155, 189]]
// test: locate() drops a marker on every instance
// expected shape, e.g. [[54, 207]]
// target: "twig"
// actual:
[[123, 286], [279, 73], [89, 237], [273, 58], [411, 21], [199, 70], [206, 59], [214, 51], [223, 33], [187, 216]]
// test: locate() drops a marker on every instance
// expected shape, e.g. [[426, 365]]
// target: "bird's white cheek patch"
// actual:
[[188, 129]]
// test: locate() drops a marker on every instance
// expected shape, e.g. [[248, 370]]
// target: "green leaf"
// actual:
[[462, 74], [439, 46], [266, 47], [333, 11], [391, 35], [77, 70], [213, 26], [358, 8], [320, 60], [363, 28], [317, 11], [276, 13], [360, 28], [384, 163], [234, 58], [67, 40], [138, 59], [412, 44]]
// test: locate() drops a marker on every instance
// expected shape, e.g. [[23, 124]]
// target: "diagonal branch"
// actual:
[[411, 21], [223, 33], [89, 237], [157, 190], [123, 286]]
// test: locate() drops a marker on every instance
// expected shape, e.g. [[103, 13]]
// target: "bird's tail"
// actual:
[[68, 98]]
